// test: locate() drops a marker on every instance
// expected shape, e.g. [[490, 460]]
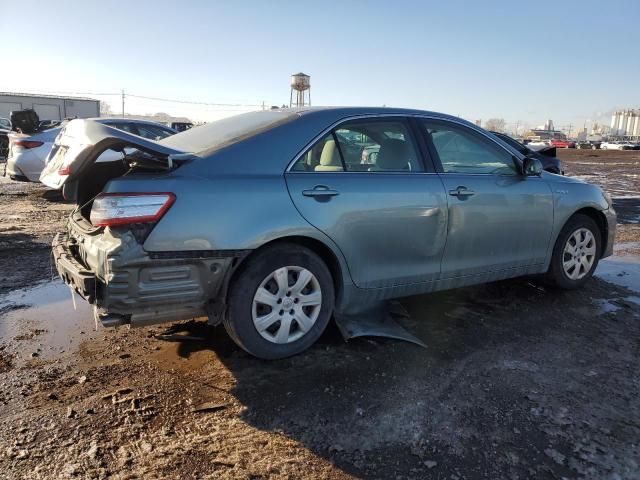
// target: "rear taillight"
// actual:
[[111, 209], [25, 143]]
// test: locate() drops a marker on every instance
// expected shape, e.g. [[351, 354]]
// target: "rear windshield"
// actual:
[[224, 132]]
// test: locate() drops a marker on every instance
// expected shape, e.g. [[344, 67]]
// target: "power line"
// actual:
[[144, 97], [190, 102]]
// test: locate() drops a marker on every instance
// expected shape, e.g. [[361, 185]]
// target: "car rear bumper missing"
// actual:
[[128, 285], [71, 271]]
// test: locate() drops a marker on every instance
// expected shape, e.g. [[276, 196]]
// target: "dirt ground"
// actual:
[[517, 381]]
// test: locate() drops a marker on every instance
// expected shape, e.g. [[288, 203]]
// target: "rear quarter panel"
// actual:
[[226, 212]]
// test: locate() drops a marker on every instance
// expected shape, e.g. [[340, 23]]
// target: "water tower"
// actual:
[[300, 83]]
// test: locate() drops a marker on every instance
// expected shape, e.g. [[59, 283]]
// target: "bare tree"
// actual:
[[105, 109], [495, 124]]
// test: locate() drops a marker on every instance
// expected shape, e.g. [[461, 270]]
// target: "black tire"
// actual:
[[239, 321], [556, 273]]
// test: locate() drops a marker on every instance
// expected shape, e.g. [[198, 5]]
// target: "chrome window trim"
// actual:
[[324, 132]]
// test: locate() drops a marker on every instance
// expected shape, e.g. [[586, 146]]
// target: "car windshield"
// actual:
[[224, 132], [4, 123]]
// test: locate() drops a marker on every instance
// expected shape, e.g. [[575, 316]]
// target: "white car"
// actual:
[[620, 145], [536, 146], [28, 152]]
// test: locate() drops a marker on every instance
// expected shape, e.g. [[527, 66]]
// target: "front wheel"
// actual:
[[280, 302], [576, 253]]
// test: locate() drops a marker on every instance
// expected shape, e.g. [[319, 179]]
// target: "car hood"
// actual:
[[81, 142]]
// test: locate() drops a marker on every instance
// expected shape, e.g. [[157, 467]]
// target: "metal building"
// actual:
[[49, 107]]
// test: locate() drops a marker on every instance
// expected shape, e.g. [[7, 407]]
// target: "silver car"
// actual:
[[28, 152], [269, 222]]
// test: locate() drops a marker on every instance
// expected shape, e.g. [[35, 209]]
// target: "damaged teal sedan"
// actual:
[[272, 222]]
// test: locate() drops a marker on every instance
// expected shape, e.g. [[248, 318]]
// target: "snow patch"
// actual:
[[620, 270]]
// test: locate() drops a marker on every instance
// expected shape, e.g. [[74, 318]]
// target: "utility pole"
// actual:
[[123, 103], [262, 104]]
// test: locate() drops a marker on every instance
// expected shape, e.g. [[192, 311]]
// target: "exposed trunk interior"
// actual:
[[93, 180], [84, 189]]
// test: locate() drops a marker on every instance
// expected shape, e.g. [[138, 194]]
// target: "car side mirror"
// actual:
[[531, 167]]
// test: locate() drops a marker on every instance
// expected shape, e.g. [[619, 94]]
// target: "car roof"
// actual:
[[278, 135], [354, 111]]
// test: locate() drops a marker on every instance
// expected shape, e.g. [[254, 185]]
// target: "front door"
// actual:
[[498, 219], [364, 185]]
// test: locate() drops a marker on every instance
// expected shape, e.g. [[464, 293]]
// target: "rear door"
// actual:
[[498, 219], [365, 185]]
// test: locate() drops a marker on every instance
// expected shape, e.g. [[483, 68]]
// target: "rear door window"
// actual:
[[383, 145], [324, 156], [376, 145]]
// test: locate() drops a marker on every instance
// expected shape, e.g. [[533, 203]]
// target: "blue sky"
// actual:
[[565, 60]]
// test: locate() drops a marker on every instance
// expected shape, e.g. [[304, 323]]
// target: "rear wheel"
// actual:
[[576, 253], [280, 302]]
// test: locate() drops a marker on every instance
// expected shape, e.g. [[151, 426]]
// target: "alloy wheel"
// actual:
[[579, 254], [286, 304]]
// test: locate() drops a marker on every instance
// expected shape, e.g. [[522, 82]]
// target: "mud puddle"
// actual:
[[41, 321], [628, 209]]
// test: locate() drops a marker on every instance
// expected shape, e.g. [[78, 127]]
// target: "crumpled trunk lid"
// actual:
[[81, 142]]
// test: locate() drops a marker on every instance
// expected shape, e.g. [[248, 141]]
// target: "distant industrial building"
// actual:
[[49, 107], [625, 124], [545, 132]]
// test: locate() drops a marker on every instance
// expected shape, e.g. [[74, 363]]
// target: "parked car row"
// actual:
[[562, 143], [584, 144], [620, 145], [270, 223], [588, 145], [546, 155], [27, 152]]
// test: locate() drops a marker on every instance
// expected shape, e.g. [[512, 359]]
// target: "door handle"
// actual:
[[461, 192], [320, 191]]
